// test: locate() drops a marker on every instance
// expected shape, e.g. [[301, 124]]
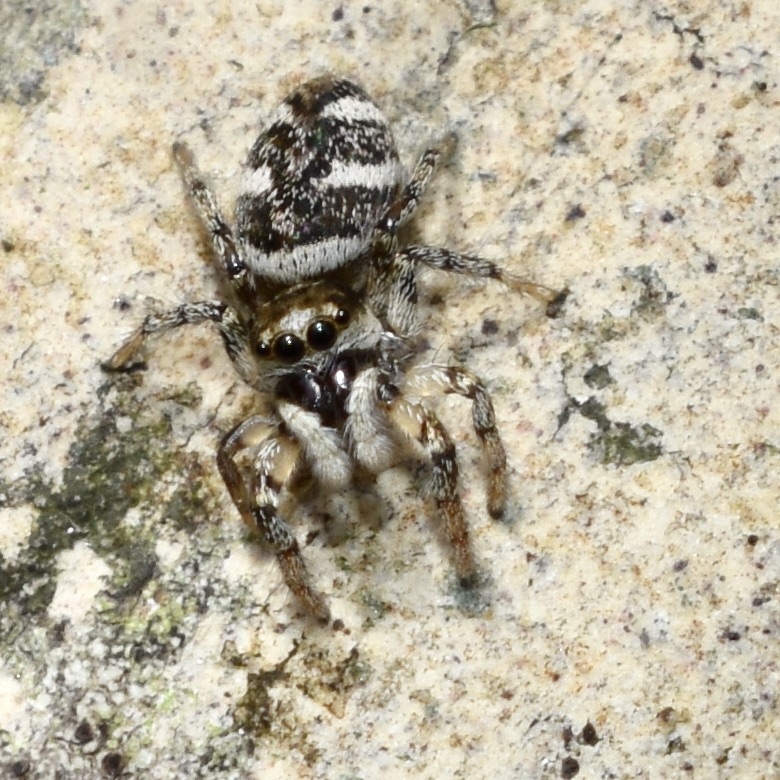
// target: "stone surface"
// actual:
[[627, 624]]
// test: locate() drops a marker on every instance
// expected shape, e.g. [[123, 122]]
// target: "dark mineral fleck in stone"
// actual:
[[588, 736], [570, 767]]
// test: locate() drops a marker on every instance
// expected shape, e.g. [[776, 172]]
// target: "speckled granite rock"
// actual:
[[628, 621]]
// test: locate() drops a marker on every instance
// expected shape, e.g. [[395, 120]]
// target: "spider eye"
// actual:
[[343, 317], [321, 334], [288, 348], [263, 349]]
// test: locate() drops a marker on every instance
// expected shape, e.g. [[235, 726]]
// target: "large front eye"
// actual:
[[289, 348], [321, 335]]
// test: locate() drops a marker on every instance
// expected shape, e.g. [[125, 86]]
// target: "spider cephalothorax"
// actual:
[[322, 301]]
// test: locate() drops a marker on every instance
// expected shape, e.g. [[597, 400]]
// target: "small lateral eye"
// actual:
[[342, 317], [289, 348], [263, 349], [321, 334]]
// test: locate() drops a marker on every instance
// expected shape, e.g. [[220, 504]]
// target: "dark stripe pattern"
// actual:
[[299, 150], [301, 215]]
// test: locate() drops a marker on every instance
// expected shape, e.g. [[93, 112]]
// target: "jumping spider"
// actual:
[[322, 302]]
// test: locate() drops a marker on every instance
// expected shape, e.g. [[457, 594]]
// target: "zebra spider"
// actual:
[[321, 307]]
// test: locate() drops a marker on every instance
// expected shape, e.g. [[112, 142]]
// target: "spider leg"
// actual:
[[230, 327], [431, 379], [365, 429], [406, 204], [210, 215], [393, 293], [277, 456], [322, 446], [393, 287], [420, 424], [392, 283], [471, 265]]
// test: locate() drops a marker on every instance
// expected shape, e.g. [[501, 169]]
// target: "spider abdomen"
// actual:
[[316, 182]]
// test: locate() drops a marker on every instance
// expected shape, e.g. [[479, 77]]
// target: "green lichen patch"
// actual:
[[591, 409], [126, 488], [617, 443], [107, 474], [622, 444], [121, 460], [749, 313], [594, 410], [598, 377], [184, 510], [653, 294]]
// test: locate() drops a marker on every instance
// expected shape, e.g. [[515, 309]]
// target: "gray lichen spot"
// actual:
[[330, 679], [106, 475], [377, 608], [650, 300], [254, 712], [33, 39], [267, 710], [655, 154], [482, 13]]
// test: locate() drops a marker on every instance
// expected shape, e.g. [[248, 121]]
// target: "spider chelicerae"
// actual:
[[321, 306]]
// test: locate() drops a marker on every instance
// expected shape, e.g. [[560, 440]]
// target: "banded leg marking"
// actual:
[[392, 282], [209, 212], [471, 265], [230, 328], [421, 424], [154, 324], [393, 285], [393, 292], [406, 204], [275, 462], [430, 380]]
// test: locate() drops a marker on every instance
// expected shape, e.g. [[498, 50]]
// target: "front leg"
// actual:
[[422, 425], [431, 379], [275, 462], [231, 329]]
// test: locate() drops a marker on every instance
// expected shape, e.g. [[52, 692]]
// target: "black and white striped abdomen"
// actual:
[[315, 183]]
